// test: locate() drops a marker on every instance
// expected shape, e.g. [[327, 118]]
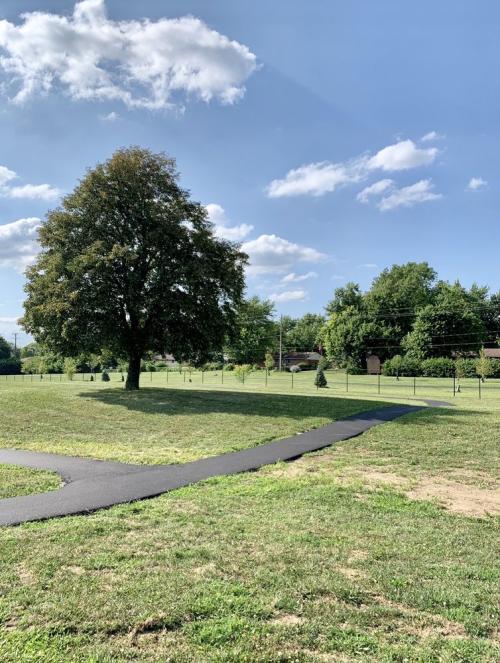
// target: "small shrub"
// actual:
[[269, 361], [484, 367], [229, 367], [105, 376], [320, 379], [353, 368], [401, 366], [70, 367], [10, 366], [465, 368], [438, 367], [295, 369], [242, 371]]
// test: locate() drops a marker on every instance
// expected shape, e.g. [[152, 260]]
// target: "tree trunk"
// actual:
[[133, 373]]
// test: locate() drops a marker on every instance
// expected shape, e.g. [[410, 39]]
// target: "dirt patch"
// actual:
[[458, 497], [287, 620], [352, 574], [421, 624]]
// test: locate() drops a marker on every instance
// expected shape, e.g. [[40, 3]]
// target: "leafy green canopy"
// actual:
[[408, 311], [5, 349], [130, 264]]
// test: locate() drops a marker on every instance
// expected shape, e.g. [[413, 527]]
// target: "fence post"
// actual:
[[454, 386], [243, 376], [184, 373], [151, 376], [292, 379], [347, 380], [479, 383], [379, 383], [167, 374], [222, 373], [266, 378], [414, 385], [201, 376]]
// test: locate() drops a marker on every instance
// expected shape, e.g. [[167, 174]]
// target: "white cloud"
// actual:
[[142, 63], [6, 175], [33, 192], [316, 179], [298, 278], [273, 255], [402, 156], [409, 196], [110, 117], [217, 215], [374, 190], [288, 296], [431, 137], [476, 183], [19, 243], [30, 191], [369, 265]]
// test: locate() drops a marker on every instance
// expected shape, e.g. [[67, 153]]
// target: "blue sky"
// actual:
[[282, 116]]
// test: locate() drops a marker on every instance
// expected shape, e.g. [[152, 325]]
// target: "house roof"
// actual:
[[304, 356], [492, 353]]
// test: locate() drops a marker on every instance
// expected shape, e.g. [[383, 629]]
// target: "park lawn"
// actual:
[[156, 425], [16, 481], [334, 557]]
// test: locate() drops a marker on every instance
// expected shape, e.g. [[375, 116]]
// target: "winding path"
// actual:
[[93, 484]]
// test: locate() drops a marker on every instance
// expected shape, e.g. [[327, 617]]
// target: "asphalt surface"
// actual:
[[93, 484]]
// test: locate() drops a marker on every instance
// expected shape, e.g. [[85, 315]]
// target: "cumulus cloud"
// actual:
[[316, 179], [142, 63], [402, 156], [476, 183], [217, 215], [30, 191], [274, 255], [408, 196], [375, 189], [431, 137], [33, 192], [288, 296], [298, 278], [19, 243]]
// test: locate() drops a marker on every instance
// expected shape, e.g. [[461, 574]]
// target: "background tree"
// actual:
[[5, 348], [130, 264], [449, 325], [305, 335], [254, 331]]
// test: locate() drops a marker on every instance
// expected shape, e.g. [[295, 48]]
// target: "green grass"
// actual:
[[329, 558], [15, 481], [156, 425]]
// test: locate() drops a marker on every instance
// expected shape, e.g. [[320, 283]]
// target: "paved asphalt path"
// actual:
[[94, 484]]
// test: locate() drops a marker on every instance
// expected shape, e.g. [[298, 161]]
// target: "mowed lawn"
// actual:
[[382, 548], [155, 425]]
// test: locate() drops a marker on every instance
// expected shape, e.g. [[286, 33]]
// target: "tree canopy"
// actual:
[[130, 264], [407, 310]]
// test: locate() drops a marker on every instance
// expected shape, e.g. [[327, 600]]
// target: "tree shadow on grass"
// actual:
[[182, 402]]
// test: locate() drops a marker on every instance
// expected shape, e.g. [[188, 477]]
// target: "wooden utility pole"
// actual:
[[281, 343]]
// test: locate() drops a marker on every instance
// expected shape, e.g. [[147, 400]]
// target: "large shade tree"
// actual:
[[130, 264]]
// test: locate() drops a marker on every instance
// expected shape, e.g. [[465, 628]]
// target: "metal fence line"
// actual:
[[338, 382]]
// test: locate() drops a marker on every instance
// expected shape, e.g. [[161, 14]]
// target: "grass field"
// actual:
[[15, 481], [382, 548]]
